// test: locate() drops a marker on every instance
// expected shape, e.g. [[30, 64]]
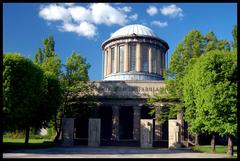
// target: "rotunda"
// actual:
[[134, 52]]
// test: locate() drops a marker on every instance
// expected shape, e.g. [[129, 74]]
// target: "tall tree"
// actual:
[[48, 60], [192, 46], [210, 42], [51, 64], [77, 89], [38, 57], [49, 47], [210, 93], [24, 85]]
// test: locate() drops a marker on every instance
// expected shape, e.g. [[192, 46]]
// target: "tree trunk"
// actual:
[[213, 145], [62, 115], [27, 135], [58, 132], [196, 140], [230, 145]]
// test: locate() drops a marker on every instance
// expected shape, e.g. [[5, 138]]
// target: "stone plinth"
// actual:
[[94, 129], [68, 131], [174, 139], [146, 133]]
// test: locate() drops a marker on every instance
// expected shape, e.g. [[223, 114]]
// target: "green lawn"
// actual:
[[219, 149], [10, 143]]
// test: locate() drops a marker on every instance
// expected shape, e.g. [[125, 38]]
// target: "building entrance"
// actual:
[[126, 123], [105, 113]]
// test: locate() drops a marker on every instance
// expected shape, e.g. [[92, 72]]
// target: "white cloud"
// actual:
[[54, 12], [125, 9], [159, 23], [172, 11], [79, 13], [106, 14], [84, 20], [133, 17], [83, 29], [152, 10]]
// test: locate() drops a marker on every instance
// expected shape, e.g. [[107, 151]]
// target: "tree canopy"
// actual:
[[210, 92], [24, 85]]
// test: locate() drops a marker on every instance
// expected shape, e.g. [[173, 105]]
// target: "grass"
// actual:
[[208, 149], [18, 143]]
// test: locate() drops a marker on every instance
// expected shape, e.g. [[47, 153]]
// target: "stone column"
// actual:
[[138, 57], [105, 62], [150, 60], [181, 125], [161, 60], [68, 131], [158, 61], [116, 59], [163, 57], [136, 122], [126, 58], [158, 127], [109, 61], [115, 123]]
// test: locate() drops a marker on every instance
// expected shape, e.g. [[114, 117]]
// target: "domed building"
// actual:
[[133, 66], [134, 52]]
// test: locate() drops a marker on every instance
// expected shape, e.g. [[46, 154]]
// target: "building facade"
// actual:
[[133, 66]]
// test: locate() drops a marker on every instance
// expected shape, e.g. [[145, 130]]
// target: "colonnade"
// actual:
[[112, 60]]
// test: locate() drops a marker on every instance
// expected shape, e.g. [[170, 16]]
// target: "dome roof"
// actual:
[[136, 29]]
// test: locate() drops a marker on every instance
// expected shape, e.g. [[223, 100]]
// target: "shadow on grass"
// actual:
[[16, 145]]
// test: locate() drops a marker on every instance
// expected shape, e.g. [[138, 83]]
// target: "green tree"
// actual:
[[48, 60], [49, 47], [223, 45], [77, 89], [51, 64], [24, 85], [38, 57], [191, 47], [210, 93], [210, 42]]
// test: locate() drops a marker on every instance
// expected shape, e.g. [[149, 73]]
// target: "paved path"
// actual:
[[106, 152]]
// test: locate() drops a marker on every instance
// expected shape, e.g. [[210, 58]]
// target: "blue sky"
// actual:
[[82, 27]]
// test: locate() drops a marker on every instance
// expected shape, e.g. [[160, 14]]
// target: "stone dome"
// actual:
[[134, 52], [135, 29]]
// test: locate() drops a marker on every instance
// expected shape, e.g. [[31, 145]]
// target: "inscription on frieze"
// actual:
[[127, 88]]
